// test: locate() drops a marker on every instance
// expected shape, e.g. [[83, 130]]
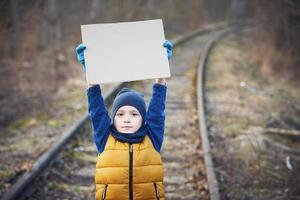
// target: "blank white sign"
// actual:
[[125, 51]]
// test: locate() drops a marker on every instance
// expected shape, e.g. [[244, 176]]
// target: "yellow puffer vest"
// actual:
[[129, 171]]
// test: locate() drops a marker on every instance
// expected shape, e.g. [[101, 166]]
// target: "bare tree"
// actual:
[[93, 11], [236, 9], [150, 8], [15, 29], [280, 28], [215, 10], [51, 39]]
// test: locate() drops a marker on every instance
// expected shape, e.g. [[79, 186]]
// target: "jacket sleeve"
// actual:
[[99, 116], [155, 116]]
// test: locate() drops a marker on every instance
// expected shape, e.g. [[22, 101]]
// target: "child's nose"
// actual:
[[127, 120]]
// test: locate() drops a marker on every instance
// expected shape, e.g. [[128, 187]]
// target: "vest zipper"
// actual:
[[104, 192], [130, 171], [156, 191]]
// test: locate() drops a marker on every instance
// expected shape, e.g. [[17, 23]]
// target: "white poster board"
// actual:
[[125, 51]]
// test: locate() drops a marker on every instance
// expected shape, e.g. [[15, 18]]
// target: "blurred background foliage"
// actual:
[[38, 38]]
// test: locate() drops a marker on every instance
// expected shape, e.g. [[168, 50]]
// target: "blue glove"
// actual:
[[168, 44], [80, 55]]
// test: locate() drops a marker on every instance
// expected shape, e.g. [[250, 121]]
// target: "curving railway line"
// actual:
[[66, 170]]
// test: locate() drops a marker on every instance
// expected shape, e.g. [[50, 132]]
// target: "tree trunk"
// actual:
[[51, 40], [93, 11], [15, 15], [150, 8]]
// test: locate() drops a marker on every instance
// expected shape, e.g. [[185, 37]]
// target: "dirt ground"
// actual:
[[254, 123], [24, 140]]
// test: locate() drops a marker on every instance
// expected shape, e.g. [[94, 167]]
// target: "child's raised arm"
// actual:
[[99, 116], [96, 107], [155, 116]]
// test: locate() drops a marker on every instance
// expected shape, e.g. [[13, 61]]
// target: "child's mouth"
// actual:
[[126, 127]]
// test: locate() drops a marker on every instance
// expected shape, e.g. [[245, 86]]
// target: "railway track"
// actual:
[[255, 148], [66, 170]]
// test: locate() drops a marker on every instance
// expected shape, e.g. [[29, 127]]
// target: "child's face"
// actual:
[[128, 119]]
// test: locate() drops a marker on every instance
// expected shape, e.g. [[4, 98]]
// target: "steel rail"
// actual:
[[45, 159], [213, 185]]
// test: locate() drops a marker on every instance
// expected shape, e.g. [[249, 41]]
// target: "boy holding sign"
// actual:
[[129, 164]]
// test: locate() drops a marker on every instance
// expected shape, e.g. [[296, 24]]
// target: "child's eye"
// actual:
[[119, 114], [135, 114]]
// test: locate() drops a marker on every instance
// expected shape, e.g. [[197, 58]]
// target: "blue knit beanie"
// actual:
[[129, 97]]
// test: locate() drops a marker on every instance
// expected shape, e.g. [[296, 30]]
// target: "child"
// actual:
[[129, 164]]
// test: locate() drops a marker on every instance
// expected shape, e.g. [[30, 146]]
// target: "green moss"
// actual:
[[6, 173], [38, 119], [67, 119], [55, 185], [21, 123], [42, 116], [34, 141], [85, 157], [52, 123]]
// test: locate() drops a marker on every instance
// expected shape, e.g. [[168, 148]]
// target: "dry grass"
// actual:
[[248, 167]]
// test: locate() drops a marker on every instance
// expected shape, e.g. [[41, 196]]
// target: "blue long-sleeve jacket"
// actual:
[[155, 116]]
